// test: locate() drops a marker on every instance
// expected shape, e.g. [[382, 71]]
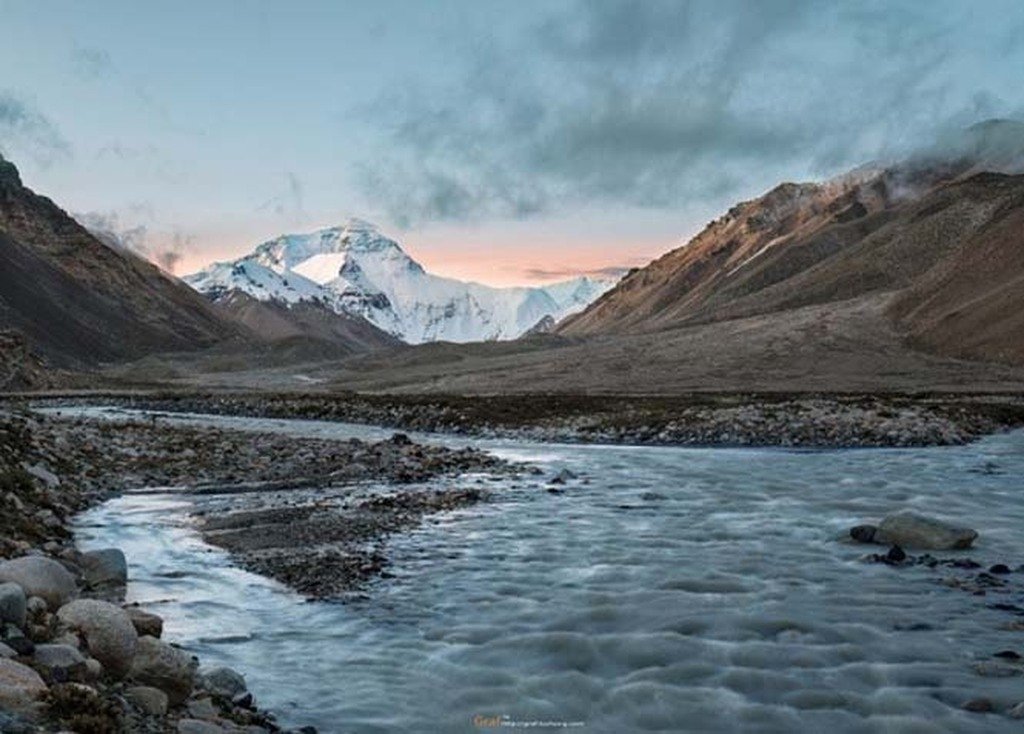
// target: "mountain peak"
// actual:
[[9, 178]]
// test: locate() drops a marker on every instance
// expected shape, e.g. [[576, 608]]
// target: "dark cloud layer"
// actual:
[[26, 130], [663, 103]]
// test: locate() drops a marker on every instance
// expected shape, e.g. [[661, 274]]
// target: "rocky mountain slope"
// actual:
[[355, 270], [277, 321], [941, 234], [78, 302]]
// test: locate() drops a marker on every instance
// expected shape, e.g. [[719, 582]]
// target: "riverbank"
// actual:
[[57, 671], [702, 419]]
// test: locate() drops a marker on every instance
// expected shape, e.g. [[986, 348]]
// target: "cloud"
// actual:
[[108, 229], [91, 63], [289, 202], [24, 129], [612, 272], [663, 104]]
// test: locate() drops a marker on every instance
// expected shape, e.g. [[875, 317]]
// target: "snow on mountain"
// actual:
[[357, 270]]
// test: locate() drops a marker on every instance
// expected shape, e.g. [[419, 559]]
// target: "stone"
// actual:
[[911, 530], [20, 687], [1016, 711], [63, 663], [563, 476], [15, 639], [223, 682], [107, 567], [12, 604], [895, 555], [36, 606], [863, 533], [150, 701], [42, 577], [992, 669], [43, 474], [979, 706], [93, 668], [201, 708], [165, 667], [109, 634], [6, 652], [197, 726], [146, 623], [1000, 568]]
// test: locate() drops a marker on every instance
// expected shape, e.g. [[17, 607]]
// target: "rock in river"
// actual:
[[911, 530], [109, 633], [42, 577]]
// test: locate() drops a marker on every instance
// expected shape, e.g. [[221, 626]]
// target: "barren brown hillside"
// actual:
[[79, 302]]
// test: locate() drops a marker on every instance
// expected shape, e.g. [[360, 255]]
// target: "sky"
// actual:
[[501, 142]]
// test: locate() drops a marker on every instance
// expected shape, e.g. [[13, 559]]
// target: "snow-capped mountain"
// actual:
[[355, 269]]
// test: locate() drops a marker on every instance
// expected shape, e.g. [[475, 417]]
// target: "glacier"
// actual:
[[355, 269]]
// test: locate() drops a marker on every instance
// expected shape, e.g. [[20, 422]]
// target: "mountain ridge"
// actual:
[[354, 269], [77, 301]]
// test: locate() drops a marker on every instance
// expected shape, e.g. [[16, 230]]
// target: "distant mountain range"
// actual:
[[355, 270], [908, 275]]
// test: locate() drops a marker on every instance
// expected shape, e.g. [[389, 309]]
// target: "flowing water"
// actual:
[[680, 590]]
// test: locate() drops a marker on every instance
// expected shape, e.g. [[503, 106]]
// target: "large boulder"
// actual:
[[12, 604], [20, 687], [108, 632], [107, 567], [163, 666], [911, 530], [42, 577], [223, 682]]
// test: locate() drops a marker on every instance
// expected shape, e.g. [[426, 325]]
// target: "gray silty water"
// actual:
[[680, 590]]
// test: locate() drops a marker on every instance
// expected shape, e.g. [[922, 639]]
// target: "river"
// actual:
[[677, 589]]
